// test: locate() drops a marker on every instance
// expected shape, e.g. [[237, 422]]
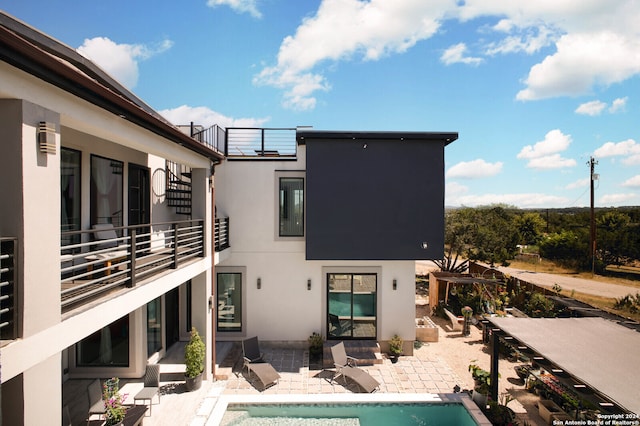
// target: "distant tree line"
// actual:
[[493, 234]]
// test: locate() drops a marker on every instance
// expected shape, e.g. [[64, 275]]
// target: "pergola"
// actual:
[[597, 357]]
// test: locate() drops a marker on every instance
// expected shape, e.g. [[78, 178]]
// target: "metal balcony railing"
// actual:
[[8, 289], [260, 143], [221, 233], [213, 137], [92, 269]]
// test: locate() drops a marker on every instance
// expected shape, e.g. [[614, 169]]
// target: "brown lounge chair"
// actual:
[[346, 367], [254, 361]]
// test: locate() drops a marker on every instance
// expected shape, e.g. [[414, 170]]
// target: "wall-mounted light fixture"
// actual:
[[309, 284], [259, 283], [211, 302], [395, 284], [47, 137], [424, 245]]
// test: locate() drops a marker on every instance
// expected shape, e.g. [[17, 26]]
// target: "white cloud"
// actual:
[[474, 169], [344, 30], [618, 199], [526, 200], [591, 108], [240, 6], [544, 155], [618, 105], [120, 60], [633, 182], [582, 61], [206, 117], [527, 40], [454, 189], [627, 148], [581, 183], [456, 54]]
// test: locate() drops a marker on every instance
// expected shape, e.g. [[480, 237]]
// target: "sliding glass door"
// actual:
[[351, 306]]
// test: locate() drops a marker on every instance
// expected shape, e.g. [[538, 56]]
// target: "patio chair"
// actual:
[[151, 386], [346, 367], [254, 361], [337, 328], [96, 405]]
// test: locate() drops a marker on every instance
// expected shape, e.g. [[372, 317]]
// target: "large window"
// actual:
[[229, 301], [106, 191], [70, 194], [108, 346], [351, 307], [154, 326], [291, 206]]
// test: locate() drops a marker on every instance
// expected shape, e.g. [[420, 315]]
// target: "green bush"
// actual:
[[538, 306], [194, 354]]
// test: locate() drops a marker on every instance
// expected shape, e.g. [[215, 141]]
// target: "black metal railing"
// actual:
[[221, 233], [93, 268], [260, 143], [213, 137], [8, 289]]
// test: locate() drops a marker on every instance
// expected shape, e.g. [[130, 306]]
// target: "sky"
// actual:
[[535, 89]]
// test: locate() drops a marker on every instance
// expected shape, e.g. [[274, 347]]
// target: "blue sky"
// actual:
[[534, 88]]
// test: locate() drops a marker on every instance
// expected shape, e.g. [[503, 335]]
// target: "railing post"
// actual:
[[174, 265], [262, 140], [132, 258]]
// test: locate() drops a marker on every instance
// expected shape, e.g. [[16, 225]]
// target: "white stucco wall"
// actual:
[[283, 309]]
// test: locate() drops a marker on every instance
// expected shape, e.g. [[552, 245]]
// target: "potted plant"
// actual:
[[194, 354], [316, 345], [395, 348], [482, 380], [113, 403]]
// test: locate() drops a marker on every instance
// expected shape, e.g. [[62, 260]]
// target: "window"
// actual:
[[351, 307], [70, 194], [291, 194], [106, 191], [229, 286], [154, 326], [108, 346]]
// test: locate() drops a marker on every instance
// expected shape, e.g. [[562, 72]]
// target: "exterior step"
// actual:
[[366, 351]]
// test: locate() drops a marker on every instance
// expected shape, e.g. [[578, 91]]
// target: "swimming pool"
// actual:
[[433, 412]]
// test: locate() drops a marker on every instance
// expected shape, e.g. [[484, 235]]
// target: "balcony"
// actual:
[[260, 143], [221, 234], [92, 268]]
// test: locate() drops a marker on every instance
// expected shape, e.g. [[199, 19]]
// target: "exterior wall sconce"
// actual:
[[47, 137], [424, 245], [395, 284], [259, 283], [211, 302], [309, 284]]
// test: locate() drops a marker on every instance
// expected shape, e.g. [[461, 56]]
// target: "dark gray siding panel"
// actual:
[[374, 199]]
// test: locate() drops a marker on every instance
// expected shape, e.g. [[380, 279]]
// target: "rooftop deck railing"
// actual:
[[214, 137], [91, 269], [260, 143], [8, 289]]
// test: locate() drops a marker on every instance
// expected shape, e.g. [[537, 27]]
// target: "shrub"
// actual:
[[194, 354]]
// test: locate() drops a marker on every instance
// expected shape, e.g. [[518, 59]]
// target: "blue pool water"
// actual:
[[363, 414], [363, 304]]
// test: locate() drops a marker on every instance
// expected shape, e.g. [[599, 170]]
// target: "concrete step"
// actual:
[[366, 351]]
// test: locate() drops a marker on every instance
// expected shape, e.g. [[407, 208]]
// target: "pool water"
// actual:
[[363, 414]]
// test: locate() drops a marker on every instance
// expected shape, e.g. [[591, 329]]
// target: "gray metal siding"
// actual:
[[374, 199]]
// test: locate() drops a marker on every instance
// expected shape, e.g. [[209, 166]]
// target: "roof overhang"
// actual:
[[49, 60], [303, 134]]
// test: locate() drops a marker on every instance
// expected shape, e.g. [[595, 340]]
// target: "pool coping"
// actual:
[[223, 401]]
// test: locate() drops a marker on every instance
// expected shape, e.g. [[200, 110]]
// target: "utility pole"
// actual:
[[592, 243]]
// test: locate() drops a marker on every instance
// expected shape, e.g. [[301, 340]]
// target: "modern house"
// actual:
[[325, 229], [106, 228], [110, 231]]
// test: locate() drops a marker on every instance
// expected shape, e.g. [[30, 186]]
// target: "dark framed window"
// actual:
[[106, 191], [229, 309], [291, 195], [70, 201], [107, 347], [351, 306]]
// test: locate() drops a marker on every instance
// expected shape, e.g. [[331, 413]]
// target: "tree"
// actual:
[[530, 226], [614, 239], [565, 247]]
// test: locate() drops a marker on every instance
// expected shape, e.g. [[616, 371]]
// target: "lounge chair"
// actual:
[[346, 367], [96, 405], [151, 386], [254, 361]]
